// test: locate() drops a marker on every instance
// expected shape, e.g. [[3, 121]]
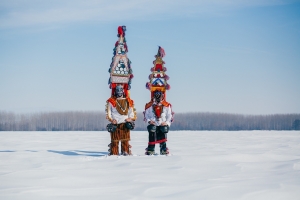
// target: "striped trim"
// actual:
[[157, 141]]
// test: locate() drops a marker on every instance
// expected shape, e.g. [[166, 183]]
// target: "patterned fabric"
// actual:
[[122, 106], [165, 115], [122, 133], [120, 109], [113, 113], [158, 78], [125, 147], [120, 68]]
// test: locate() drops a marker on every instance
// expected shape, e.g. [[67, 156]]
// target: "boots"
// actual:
[[163, 148], [150, 150]]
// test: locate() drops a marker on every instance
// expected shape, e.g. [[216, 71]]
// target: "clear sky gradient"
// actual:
[[222, 56]]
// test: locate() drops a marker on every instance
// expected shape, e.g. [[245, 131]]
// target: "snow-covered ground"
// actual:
[[202, 165]]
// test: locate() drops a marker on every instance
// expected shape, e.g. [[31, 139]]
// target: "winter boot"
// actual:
[[163, 148], [149, 151]]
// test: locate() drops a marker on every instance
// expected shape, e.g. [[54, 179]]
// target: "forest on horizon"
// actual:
[[95, 121]]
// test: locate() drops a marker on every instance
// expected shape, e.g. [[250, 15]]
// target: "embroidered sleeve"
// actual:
[[168, 115], [108, 111], [149, 116], [132, 113]]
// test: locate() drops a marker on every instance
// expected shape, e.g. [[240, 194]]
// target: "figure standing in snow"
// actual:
[[119, 108], [158, 112], [121, 113]]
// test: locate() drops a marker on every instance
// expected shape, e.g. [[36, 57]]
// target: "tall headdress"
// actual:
[[158, 78], [120, 67]]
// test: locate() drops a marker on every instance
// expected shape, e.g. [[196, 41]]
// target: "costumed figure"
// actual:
[[120, 109], [158, 112]]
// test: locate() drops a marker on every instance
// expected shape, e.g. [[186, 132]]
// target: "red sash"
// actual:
[[158, 110]]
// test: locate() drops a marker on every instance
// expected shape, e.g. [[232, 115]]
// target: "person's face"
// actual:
[[158, 96], [119, 91]]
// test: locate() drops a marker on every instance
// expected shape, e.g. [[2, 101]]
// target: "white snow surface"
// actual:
[[202, 165]]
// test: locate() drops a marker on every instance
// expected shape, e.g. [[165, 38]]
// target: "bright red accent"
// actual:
[[157, 142], [158, 67], [112, 101], [130, 101], [157, 110], [120, 30]]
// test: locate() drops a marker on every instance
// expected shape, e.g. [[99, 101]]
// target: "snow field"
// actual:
[[202, 165]]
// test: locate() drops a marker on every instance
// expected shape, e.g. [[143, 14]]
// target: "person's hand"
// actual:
[[128, 120], [114, 121], [164, 124], [152, 122]]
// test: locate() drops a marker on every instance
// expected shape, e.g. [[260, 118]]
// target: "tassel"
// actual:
[[167, 77], [165, 69], [131, 76], [168, 87], [172, 119], [148, 85]]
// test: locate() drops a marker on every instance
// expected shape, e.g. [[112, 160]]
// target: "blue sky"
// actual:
[[222, 56]]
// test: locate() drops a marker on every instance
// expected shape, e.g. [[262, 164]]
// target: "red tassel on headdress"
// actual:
[[120, 31], [162, 52]]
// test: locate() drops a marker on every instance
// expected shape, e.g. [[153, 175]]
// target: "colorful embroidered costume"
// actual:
[[158, 112], [120, 111]]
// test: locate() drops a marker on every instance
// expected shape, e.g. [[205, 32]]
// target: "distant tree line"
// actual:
[[95, 121]]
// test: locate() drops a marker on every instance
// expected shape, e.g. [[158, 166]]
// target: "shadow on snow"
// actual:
[[80, 153]]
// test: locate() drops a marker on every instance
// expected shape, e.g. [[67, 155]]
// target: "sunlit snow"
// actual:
[[202, 165]]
